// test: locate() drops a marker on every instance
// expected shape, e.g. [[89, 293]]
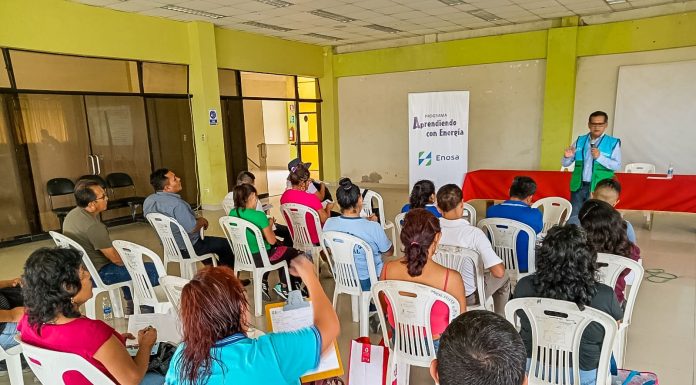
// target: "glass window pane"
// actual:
[[267, 85], [161, 78], [40, 71], [308, 88], [308, 128], [308, 107], [228, 82], [310, 153], [4, 77]]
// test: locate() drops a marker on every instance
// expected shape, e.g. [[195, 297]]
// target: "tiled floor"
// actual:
[[661, 339]]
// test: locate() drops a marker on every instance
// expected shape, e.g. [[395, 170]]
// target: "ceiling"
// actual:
[[363, 21]]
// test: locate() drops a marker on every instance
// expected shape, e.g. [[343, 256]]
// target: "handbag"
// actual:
[[367, 364], [159, 363], [634, 377]]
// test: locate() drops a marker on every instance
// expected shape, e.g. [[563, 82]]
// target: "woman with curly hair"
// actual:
[[566, 269], [606, 232], [422, 197], [55, 284], [215, 347], [420, 237]]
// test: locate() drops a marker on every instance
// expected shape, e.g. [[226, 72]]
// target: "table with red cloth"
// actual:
[[638, 192]]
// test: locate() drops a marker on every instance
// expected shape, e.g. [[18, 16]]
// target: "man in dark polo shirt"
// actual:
[[82, 224]]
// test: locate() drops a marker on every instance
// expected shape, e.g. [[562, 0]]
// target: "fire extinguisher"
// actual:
[[291, 134]]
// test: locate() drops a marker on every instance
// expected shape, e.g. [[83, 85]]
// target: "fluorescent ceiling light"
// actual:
[[332, 16], [453, 2], [481, 14], [276, 3], [382, 28], [325, 37], [190, 11], [612, 2], [267, 26]]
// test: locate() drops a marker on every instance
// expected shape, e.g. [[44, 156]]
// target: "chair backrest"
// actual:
[[370, 197], [59, 186], [640, 168], [610, 267], [228, 203], [163, 226], [119, 179], [411, 305], [557, 328], [132, 255], [399, 223], [296, 218], [554, 209], [341, 249], [235, 230], [503, 234], [460, 259], [64, 242], [172, 288], [470, 213], [49, 366]]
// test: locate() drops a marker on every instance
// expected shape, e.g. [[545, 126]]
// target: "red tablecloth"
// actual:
[[637, 191]]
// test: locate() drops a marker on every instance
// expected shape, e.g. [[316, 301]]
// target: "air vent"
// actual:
[[267, 26], [332, 16], [325, 37], [382, 28], [190, 11], [481, 14], [276, 3]]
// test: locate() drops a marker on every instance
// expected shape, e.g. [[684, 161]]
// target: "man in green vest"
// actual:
[[596, 156]]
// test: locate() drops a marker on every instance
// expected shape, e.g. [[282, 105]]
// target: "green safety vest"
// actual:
[[606, 146]]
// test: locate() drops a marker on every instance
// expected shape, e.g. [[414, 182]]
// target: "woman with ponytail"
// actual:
[[422, 197], [420, 236]]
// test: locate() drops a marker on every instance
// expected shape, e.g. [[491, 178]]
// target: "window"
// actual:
[[228, 82], [159, 78], [308, 88], [267, 85]]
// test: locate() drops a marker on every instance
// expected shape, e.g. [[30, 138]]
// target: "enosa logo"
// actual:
[[425, 158]]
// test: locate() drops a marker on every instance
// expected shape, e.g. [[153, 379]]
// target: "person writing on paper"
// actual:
[[596, 156], [318, 188], [216, 350], [420, 236], [55, 285], [282, 232]]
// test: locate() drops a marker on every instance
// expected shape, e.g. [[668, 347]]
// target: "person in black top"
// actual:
[[566, 269]]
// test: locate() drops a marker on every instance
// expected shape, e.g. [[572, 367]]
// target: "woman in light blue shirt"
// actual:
[[422, 197]]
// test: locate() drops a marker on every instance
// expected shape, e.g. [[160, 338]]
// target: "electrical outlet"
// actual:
[[202, 137], [206, 190]]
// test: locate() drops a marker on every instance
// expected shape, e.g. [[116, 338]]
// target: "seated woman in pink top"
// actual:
[[420, 237], [55, 284], [299, 180]]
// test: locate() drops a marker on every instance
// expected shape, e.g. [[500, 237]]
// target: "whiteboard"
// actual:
[[656, 115]]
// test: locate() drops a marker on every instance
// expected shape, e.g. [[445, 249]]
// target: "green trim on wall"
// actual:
[[654, 33], [559, 95], [480, 50]]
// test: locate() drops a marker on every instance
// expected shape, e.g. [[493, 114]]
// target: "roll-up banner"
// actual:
[[438, 129]]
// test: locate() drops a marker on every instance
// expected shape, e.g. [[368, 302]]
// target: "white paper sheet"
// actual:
[[168, 326]]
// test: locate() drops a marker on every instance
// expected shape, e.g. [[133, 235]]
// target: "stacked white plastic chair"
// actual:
[[461, 258], [113, 290], [554, 210], [163, 226], [296, 217], [339, 249], [49, 366], [503, 234], [557, 328], [236, 230], [610, 267], [470, 213], [228, 203], [144, 294], [642, 168], [14, 364], [411, 305], [399, 224], [368, 197], [172, 287]]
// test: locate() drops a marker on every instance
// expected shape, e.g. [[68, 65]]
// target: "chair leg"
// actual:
[[355, 308], [116, 304], [14, 369], [364, 315], [335, 298], [258, 301]]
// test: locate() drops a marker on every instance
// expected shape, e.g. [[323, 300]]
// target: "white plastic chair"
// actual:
[[554, 208], [163, 226], [49, 366], [172, 286], [460, 259], [114, 290], [14, 364], [236, 233], [340, 250], [411, 305], [470, 213], [640, 168], [296, 218], [144, 294], [557, 328], [503, 233], [399, 224], [228, 203], [610, 267], [368, 197]]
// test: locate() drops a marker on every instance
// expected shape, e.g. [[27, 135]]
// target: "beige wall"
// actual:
[[506, 103]]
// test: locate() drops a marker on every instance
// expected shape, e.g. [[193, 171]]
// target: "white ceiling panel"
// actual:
[[411, 17]]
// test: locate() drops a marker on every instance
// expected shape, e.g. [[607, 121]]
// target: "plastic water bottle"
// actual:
[[670, 171], [107, 310]]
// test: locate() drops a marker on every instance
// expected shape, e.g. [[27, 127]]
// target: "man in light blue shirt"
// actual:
[[596, 157]]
